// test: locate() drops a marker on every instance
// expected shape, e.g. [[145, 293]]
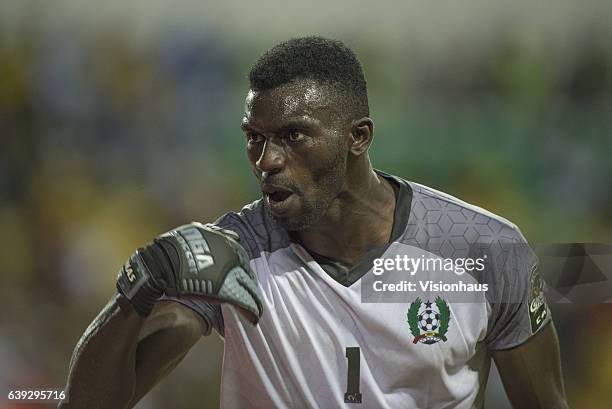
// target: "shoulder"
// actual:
[[448, 217], [258, 232], [449, 227]]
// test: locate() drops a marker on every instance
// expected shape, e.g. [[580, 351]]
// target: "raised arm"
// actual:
[[136, 339]]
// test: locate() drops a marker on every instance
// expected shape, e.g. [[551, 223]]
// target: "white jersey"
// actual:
[[327, 339]]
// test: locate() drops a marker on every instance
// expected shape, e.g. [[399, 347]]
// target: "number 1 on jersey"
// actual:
[[352, 395]]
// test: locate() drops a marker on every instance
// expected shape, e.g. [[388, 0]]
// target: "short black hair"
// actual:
[[327, 61]]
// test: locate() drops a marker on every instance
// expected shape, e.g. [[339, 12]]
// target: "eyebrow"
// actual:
[[297, 123]]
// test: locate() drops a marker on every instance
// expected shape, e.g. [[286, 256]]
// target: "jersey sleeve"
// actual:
[[518, 307]]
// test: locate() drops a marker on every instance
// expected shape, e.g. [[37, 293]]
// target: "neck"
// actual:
[[360, 218]]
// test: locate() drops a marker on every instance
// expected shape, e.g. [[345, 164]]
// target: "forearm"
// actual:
[[102, 369], [167, 337]]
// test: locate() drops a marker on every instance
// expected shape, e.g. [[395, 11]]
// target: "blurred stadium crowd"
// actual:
[[106, 142]]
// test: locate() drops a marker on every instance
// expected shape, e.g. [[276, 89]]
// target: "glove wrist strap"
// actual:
[[135, 282]]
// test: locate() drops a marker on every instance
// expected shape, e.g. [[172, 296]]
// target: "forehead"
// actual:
[[303, 99]]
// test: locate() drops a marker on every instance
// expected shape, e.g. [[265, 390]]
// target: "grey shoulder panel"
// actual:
[[449, 227], [430, 205], [257, 230]]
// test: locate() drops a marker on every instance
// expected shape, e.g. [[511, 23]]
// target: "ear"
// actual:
[[362, 132]]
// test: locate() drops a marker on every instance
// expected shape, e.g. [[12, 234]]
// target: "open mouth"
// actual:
[[278, 196]]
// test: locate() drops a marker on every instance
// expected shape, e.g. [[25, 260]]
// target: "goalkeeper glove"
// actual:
[[193, 259]]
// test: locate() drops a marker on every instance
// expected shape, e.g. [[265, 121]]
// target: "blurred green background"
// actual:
[[120, 120]]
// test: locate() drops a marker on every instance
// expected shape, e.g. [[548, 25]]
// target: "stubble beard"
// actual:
[[312, 211], [329, 184]]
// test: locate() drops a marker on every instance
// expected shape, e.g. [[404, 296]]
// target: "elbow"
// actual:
[[186, 326]]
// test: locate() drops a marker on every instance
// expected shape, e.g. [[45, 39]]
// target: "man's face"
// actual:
[[297, 147]]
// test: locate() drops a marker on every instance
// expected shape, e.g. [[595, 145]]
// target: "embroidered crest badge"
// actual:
[[428, 321]]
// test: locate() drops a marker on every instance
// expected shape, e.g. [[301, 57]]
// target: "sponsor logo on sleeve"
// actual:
[[538, 310]]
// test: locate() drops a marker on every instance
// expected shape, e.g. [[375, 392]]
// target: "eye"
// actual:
[[295, 136], [253, 137]]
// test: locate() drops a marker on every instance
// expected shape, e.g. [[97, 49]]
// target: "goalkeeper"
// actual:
[[324, 218]]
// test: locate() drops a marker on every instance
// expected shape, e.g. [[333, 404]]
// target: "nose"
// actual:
[[272, 158]]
